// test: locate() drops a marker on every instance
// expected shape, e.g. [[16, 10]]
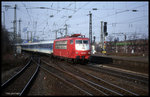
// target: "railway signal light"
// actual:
[[106, 33], [105, 29]]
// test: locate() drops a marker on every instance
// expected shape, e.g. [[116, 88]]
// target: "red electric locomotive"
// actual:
[[75, 47]]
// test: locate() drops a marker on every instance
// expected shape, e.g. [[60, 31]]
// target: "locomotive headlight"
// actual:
[[89, 52], [83, 52]]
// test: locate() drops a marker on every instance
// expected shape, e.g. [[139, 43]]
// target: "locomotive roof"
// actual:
[[69, 38], [73, 36]]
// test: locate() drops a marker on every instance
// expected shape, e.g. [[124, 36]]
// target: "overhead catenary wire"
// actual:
[[75, 12], [135, 19], [126, 10], [27, 12], [45, 20]]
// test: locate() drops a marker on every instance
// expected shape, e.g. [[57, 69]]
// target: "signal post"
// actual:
[[104, 33]]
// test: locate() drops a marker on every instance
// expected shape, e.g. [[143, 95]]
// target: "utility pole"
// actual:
[[55, 33], [125, 46], [31, 36], [19, 33], [4, 18], [101, 35], [66, 29], [15, 22], [35, 29], [90, 27], [27, 35]]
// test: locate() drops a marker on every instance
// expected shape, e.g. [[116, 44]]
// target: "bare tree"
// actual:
[[134, 36], [110, 38], [5, 41], [144, 36]]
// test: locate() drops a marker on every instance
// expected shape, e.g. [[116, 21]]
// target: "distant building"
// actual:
[[139, 46]]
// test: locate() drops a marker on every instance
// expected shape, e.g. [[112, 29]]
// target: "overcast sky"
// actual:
[[120, 17]]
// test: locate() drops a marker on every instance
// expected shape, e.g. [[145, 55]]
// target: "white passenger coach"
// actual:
[[42, 47]]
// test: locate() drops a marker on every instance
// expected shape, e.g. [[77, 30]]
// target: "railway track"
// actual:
[[105, 86], [20, 82], [130, 85], [70, 79], [90, 81], [120, 73]]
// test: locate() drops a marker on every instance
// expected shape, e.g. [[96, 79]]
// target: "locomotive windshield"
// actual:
[[82, 45], [85, 41], [78, 41], [82, 41]]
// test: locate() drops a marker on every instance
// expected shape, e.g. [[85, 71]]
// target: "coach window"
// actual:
[[71, 41]]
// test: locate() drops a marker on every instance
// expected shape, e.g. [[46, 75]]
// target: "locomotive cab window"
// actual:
[[82, 41], [78, 41], [71, 41], [85, 41]]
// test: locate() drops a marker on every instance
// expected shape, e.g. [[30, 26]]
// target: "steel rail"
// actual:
[[33, 76], [70, 74], [116, 73], [114, 85], [17, 74], [98, 84], [64, 80], [97, 78], [24, 88], [103, 87]]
